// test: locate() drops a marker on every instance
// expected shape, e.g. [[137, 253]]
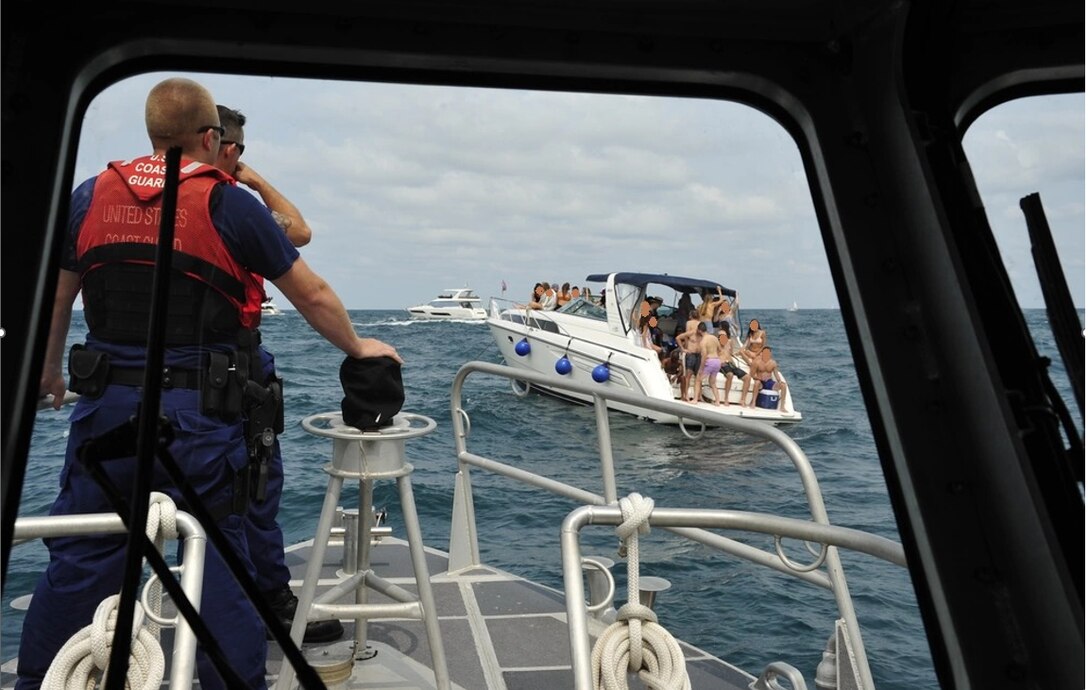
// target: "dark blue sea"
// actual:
[[734, 609]]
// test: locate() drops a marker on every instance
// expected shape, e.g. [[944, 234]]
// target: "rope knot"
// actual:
[[636, 515], [635, 612]]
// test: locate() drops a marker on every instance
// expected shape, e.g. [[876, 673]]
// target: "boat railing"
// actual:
[[826, 571], [194, 542]]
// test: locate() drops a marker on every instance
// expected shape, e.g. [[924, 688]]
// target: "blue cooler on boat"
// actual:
[[768, 399]]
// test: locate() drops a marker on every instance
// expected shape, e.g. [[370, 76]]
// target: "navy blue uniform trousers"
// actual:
[[263, 531], [83, 571]]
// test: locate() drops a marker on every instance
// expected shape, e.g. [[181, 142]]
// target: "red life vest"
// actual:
[[212, 296]]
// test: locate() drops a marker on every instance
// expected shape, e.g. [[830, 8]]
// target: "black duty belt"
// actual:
[[171, 377]]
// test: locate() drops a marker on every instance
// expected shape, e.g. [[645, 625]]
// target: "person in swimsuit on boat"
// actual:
[[690, 342], [754, 342], [712, 364], [725, 315], [728, 367], [764, 375], [563, 296], [709, 308]]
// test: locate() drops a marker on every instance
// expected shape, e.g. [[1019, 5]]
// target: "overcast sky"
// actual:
[[413, 189]]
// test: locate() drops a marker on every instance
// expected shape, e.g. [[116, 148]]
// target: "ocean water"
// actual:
[[734, 609]]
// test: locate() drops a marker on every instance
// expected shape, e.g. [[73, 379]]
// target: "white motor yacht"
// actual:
[[601, 345], [454, 304], [269, 308]]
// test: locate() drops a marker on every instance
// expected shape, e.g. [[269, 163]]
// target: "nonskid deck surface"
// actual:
[[499, 631]]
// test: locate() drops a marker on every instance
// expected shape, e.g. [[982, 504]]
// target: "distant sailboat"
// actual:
[[792, 307]]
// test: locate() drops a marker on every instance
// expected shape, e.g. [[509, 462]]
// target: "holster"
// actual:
[[223, 387], [264, 421], [88, 371]]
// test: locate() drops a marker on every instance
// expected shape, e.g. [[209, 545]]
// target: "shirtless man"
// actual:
[[691, 344], [728, 368], [764, 375], [712, 364]]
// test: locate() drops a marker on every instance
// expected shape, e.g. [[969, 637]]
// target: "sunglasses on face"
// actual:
[[241, 147]]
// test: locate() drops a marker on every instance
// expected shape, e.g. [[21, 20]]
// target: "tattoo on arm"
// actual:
[[281, 220]]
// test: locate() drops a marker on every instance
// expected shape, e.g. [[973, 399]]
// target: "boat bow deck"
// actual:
[[499, 630]]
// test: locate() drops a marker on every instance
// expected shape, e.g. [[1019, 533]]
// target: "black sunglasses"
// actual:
[[219, 128], [241, 147]]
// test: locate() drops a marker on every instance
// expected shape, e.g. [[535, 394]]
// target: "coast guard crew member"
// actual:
[[223, 234]]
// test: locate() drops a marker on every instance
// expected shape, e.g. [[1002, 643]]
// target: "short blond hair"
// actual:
[[176, 110]]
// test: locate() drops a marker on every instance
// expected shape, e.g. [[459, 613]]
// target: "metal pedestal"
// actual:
[[368, 457]]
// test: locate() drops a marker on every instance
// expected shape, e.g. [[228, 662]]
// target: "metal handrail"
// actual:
[[464, 545], [190, 531]]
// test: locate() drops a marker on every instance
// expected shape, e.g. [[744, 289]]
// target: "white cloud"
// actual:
[[411, 189]]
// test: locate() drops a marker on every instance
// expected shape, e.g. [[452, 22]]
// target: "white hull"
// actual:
[[455, 304], [632, 369], [424, 314]]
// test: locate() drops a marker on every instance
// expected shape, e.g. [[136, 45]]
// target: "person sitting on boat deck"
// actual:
[[228, 233], [725, 315], [728, 367], [263, 531], [551, 293], [755, 341], [537, 300], [575, 293], [691, 342], [764, 375], [563, 296]]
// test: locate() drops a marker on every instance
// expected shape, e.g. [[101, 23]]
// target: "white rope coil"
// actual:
[[635, 642], [81, 662]]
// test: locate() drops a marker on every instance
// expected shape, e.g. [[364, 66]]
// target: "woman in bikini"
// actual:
[[708, 308], [756, 341], [564, 295]]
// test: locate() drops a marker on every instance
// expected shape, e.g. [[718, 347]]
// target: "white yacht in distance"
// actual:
[[453, 304], [269, 308], [601, 345]]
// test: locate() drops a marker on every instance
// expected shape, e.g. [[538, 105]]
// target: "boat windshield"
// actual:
[[629, 298], [583, 307]]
